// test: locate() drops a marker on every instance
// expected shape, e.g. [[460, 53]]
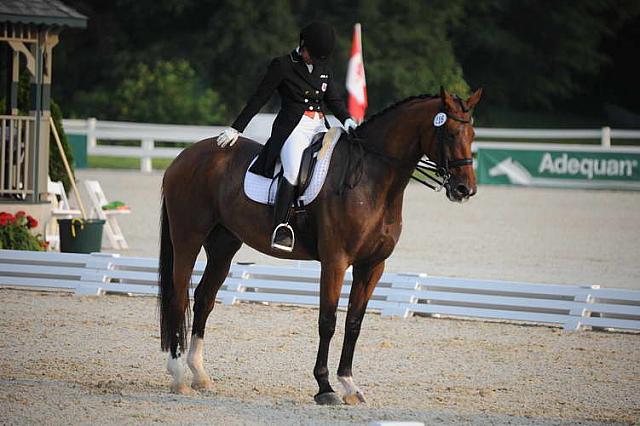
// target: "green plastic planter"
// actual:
[[80, 236]]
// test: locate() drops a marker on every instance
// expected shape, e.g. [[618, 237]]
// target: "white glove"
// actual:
[[349, 124], [229, 136]]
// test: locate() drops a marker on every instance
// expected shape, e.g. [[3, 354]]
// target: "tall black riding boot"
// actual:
[[283, 237]]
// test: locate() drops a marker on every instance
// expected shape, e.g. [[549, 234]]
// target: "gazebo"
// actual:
[[31, 29]]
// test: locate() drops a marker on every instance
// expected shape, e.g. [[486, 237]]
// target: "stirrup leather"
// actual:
[[280, 246]]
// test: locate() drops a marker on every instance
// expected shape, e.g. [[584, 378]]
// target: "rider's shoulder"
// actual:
[[279, 61]]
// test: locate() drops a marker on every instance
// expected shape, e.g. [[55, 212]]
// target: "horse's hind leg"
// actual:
[[365, 279], [185, 252], [221, 245]]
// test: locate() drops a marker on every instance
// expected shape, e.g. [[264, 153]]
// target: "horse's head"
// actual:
[[451, 147]]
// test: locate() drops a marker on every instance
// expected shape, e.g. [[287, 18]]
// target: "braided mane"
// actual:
[[394, 106]]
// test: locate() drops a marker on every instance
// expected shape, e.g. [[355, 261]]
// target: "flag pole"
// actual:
[[356, 82]]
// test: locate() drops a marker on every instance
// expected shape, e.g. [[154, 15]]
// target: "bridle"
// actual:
[[431, 174]]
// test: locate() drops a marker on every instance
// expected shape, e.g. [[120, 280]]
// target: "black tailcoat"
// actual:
[[300, 91]]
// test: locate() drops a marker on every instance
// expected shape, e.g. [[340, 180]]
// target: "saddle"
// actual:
[[308, 162], [313, 171]]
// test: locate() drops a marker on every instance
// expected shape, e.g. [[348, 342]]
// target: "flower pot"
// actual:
[[80, 236]]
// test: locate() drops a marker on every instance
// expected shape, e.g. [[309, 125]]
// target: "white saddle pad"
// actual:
[[263, 190]]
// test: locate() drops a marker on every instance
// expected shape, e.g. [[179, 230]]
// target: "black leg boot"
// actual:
[[283, 238]]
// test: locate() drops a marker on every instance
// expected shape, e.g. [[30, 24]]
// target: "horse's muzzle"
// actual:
[[460, 192]]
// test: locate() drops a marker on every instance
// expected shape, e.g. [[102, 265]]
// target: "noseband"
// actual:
[[429, 170], [432, 174]]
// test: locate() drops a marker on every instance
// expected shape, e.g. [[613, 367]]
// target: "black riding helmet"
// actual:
[[319, 39]]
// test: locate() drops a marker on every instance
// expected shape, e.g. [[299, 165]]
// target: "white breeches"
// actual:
[[298, 140]]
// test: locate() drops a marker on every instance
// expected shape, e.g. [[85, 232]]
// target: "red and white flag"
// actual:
[[356, 83]]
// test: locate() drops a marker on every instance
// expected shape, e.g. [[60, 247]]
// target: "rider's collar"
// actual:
[[295, 55]]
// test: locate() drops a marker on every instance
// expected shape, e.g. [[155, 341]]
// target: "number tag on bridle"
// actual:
[[439, 119]]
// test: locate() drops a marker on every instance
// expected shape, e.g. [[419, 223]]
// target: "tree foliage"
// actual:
[[57, 171], [532, 56], [535, 53], [238, 42], [410, 53], [166, 92]]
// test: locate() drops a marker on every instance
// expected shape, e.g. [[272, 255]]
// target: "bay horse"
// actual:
[[204, 205]]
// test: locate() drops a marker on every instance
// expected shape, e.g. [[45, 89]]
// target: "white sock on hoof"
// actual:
[[175, 367], [349, 386], [194, 359]]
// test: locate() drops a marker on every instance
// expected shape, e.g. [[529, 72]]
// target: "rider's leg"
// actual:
[[291, 156], [283, 238], [293, 148]]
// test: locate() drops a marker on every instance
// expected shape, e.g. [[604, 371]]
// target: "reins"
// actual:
[[428, 172]]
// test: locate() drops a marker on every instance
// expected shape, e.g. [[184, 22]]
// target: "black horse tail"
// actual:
[[172, 318]]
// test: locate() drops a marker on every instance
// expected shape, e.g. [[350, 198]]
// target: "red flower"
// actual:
[[6, 218], [21, 213], [31, 222]]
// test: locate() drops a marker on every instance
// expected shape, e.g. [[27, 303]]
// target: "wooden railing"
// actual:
[[16, 140]]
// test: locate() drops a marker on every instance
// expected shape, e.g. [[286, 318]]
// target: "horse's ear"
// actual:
[[474, 99], [449, 103]]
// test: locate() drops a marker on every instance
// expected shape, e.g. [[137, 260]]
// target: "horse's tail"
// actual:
[[172, 321]]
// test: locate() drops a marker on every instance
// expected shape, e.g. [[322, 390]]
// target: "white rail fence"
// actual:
[[397, 294], [17, 135], [260, 128]]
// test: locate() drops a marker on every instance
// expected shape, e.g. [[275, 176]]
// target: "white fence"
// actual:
[[260, 128], [399, 295], [17, 144]]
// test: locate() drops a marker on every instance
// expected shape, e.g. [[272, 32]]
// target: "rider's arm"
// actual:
[[269, 83], [335, 102]]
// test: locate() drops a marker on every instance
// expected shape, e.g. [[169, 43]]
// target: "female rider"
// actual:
[[303, 80]]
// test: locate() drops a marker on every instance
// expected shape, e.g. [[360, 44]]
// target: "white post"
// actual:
[[605, 138], [91, 134], [145, 160]]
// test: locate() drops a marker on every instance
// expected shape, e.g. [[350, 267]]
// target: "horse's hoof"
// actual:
[[181, 389], [327, 398], [354, 399], [202, 385]]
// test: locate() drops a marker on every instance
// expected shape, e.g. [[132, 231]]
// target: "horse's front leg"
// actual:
[[331, 279], [365, 279]]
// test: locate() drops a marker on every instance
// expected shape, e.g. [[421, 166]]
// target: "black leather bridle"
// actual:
[[432, 174], [428, 172]]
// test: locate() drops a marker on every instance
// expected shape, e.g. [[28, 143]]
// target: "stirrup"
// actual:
[[280, 246]]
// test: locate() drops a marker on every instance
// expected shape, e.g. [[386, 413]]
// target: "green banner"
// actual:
[[566, 167]]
